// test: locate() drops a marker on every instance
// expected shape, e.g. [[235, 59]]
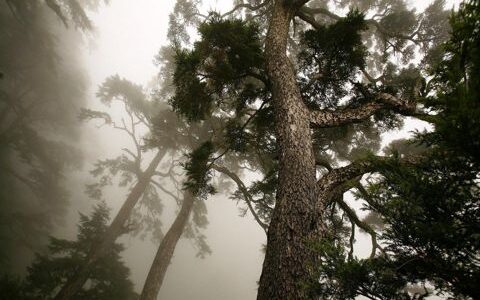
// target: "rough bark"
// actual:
[[165, 251], [116, 228], [296, 219], [326, 118]]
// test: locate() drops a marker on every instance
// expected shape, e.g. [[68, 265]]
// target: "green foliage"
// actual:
[[343, 278], [456, 77], [109, 279], [431, 211], [191, 98], [228, 51], [236, 137], [334, 53], [198, 172]]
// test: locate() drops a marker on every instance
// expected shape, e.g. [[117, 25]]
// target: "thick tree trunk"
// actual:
[[75, 283], [165, 251], [296, 220]]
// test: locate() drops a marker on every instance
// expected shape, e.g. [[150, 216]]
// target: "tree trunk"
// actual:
[[296, 219], [165, 251], [75, 283]]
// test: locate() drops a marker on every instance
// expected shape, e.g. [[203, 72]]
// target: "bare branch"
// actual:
[[352, 240], [158, 185], [309, 19], [131, 153], [243, 189], [352, 215]]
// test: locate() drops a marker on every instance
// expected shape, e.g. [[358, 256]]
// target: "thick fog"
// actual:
[[125, 39]]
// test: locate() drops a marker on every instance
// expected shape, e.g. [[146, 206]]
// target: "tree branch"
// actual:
[[308, 18], [352, 240], [327, 118], [245, 5], [339, 176], [352, 215], [243, 189], [158, 185]]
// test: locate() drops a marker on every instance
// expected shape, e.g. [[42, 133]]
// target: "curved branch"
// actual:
[[309, 19], [352, 215], [243, 189], [158, 185], [340, 176], [327, 118]]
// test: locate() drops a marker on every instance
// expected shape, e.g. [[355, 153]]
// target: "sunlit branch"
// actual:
[[244, 191]]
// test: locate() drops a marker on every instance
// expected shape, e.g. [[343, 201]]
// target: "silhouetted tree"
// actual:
[[108, 279], [41, 90]]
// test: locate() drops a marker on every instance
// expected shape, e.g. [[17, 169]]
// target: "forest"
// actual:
[[240, 149]]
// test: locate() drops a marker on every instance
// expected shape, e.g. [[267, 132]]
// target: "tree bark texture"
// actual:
[[75, 283], [165, 250], [296, 220]]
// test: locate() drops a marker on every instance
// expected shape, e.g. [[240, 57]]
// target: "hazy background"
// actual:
[[128, 35]]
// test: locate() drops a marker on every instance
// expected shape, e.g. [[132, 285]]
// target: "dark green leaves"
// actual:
[[215, 70], [191, 99], [331, 57], [108, 280], [198, 171]]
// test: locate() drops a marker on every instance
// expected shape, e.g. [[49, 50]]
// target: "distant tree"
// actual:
[[301, 94], [108, 279], [42, 87], [141, 211]]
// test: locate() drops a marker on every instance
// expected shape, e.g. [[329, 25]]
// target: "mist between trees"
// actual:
[[279, 105]]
